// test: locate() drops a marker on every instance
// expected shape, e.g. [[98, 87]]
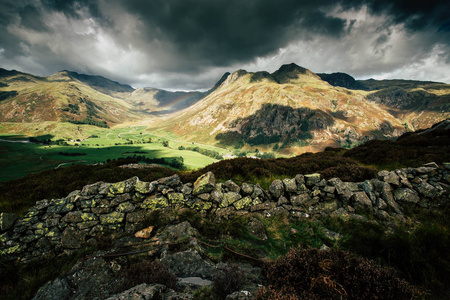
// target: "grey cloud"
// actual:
[[137, 40]]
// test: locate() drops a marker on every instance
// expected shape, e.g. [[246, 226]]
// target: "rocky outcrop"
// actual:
[[113, 210]]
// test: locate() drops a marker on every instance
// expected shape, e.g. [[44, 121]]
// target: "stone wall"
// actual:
[[110, 210]]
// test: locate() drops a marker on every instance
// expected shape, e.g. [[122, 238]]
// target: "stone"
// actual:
[[424, 170], [204, 197], [86, 225], [7, 221], [217, 194], [257, 192], [142, 291], [240, 295], [43, 204], [340, 213], [155, 202], [231, 186], [72, 238], [406, 195], [120, 199], [276, 188], [299, 179], [301, 200], [186, 190], [431, 165], [428, 190], [388, 197], [256, 228], [177, 232], [144, 187], [56, 289], [263, 206], [329, 189], [389, 177], [243, 203], [135, 217], [312, 179], [188, 263], [204, 184], [171, 181], [247, 189], [112, 218], [91, 189], [175, 198], [360, 201], [122, 187], [342, 188], [60, 206], [331, 235], [125, 207], [73, 217], [290, 185], [282, 200], [229, 198], [145, 233], [447, 165]]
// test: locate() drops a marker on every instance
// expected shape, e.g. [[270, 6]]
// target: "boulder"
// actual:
[[7, 220], [406, 195], [145, 233], [188, 263], [276, 188], [230, 186], [204, 184], [290, 185], [72, 238], [360, 201], [171, 181], [256, 228], [57, 289], [312, 179], [247, 189]]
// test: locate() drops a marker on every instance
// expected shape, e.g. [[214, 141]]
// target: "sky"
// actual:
[[189, 44]]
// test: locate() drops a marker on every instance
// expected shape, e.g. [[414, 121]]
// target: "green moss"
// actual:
[[88, 217], [243, 203], [176, 198], [11, 250], [112, 218], [155, 202]]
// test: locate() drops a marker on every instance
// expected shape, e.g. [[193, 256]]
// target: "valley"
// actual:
[[91, 119]]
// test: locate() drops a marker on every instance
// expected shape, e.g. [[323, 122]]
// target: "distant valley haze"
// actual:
[[188, 45]]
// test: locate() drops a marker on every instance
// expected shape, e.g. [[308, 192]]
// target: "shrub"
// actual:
[[228, 279], [145, 271], [332, 274]]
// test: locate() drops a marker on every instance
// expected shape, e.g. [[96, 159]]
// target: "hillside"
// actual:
[[69, 96], [296, 109]]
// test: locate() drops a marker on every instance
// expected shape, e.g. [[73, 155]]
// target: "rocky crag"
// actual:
[[118, 210]]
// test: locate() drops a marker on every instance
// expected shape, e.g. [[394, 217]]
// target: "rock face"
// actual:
[[114, 210]]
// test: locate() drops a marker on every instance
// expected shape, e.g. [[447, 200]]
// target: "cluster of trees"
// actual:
[[174, 162], [206, 152], [92, 122], [71, 153]]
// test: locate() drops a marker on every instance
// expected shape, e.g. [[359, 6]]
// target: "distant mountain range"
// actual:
[[291, 109]]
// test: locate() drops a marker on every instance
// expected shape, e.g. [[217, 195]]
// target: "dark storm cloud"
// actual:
[[165, 40], [230, 31]]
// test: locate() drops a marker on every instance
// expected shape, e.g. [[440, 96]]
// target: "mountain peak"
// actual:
[[291, 71]]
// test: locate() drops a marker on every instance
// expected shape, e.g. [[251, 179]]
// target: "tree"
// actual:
[[165, 143]]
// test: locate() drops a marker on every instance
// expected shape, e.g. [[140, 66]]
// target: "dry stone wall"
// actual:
[[111, 210]]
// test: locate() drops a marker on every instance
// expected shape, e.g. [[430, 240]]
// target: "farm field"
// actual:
[[18, 157]]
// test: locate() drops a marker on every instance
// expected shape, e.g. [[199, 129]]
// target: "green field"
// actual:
[[18, 159]]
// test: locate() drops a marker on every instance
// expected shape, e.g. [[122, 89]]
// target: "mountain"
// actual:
[[295, 108], [69, 96]]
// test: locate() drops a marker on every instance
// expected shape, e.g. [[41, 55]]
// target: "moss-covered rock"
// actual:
[[229, 198], [7, 221], [176, 198], [122, 187], [312, 179], [144, 187], [155, 202], [204, 184], [112, 218], [243, 203]]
